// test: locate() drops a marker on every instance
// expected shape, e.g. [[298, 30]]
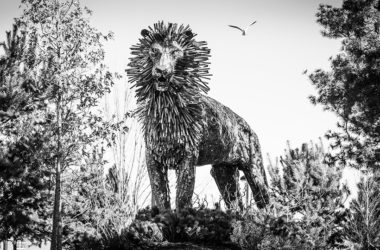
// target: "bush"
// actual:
[[85, 241], [265, 230], [153, 229], [306, 209], [188, 225]]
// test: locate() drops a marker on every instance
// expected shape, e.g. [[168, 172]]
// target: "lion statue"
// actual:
[[183, 128]]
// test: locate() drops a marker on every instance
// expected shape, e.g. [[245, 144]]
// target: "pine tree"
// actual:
[[351, 88], [309, 197], [307, 204], [362, 227]]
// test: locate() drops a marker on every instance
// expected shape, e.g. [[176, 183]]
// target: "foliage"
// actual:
[[99, 207], [363, 223], [306, 210], [24, 175], [85, 241], [93, 208], [128, 175], [25, 192], [351, 88], [52, 78], [269, 229], [152, 229], [188, 225], [70, 71]]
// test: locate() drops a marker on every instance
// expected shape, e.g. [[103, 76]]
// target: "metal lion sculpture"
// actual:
[[183, 128]]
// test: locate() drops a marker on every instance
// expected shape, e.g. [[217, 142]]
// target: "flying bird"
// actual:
[[242, 30]]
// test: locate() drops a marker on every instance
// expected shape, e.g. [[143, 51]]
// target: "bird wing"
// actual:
[[250, 25], [236, 27], [253, 23]]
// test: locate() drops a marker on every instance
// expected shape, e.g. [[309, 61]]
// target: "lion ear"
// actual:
[[196, 44], [189, 34], [145, 32]]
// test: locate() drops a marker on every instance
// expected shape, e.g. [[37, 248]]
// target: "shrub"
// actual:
[[306, 209], [363, 222], [187, 225]]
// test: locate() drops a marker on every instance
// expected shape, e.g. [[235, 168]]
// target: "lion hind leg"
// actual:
[[258, 187], [226, 177], [255, 174]]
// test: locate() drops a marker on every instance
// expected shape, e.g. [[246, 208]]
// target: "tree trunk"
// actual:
[[55, 239], [56, 232], [247, 198], [5, 245], [153, 201], [14, 245]]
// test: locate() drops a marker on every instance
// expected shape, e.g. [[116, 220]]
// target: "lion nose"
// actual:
[[162, 72]]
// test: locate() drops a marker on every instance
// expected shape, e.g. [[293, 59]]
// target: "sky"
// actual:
[[259, 76]]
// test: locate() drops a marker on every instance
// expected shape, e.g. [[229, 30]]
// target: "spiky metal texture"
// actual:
[[172, 119]]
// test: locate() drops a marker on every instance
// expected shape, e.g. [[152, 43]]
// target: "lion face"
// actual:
[[164, 58], [168, 65]]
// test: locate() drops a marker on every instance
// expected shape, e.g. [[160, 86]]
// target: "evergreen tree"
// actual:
[[306, 209], [351, 89], [24, 175], [310, 195], [362, 227]]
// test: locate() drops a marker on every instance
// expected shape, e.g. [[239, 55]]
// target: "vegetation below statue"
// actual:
[[306, 212], [188, 229]]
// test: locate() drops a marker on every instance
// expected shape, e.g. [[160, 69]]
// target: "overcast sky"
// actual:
[[259, 75]]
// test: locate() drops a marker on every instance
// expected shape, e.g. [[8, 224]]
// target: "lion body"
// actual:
[[184, 128], [226, 136]]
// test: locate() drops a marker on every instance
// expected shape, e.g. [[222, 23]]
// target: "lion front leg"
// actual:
[[185, 183], [158, 175]]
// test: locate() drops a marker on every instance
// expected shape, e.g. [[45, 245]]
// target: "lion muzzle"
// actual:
[[163, 68]]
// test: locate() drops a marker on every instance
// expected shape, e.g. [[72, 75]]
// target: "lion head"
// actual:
[[168, 58], [169, 70]]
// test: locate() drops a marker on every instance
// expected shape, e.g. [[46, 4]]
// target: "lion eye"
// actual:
[[154, 52], [176, 53]]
